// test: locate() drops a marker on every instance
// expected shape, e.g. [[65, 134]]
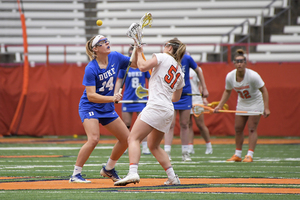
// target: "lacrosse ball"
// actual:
[[99, 22]]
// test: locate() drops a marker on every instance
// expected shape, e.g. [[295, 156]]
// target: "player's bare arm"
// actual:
[[225, 97], [202, 83], [265, 95], [145, 65]]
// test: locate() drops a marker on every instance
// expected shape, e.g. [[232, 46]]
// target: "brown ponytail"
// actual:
[[179, 49], [239, 52]]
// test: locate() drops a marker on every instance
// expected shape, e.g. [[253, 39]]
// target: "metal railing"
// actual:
[[292, 49], [247, 36], [263, 23], [229, 35]]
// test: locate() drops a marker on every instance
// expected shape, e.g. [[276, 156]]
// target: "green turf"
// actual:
[[270, 161]]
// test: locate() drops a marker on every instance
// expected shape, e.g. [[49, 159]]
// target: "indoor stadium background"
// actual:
[[42, 57]]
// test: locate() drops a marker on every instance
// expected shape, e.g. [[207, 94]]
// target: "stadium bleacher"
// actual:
[[283, 48], [204, 22]]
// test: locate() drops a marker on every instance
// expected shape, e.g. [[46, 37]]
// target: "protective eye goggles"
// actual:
[[102, 41], [168, 44], [239, 61]]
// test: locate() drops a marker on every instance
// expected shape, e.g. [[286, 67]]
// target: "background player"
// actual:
[[252, 96], [183, 106], [197, 99]]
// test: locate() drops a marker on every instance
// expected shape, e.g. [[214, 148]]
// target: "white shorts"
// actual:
[[196, 100], [158, 117]]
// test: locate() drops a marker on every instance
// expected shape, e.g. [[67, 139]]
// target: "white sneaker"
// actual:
[[146, 151], [78, 179], [191, 151], [186, 156], [173, 181], [209, 151], [130, 178], [169, 154]]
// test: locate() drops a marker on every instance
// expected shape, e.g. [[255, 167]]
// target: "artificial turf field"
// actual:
[[39, 168]]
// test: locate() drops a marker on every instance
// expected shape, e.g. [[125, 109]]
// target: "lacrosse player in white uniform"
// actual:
[[252, 96], [197, 99], [165, 87]]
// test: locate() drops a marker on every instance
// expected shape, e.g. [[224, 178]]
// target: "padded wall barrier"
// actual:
[[54, 91]]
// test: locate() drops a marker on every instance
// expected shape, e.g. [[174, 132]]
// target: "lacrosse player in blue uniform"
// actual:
[[184, 106], [97, 105], [134, 78]]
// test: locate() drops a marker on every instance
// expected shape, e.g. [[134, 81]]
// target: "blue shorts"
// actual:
[[185, 103], [104, 118], [133, 107]]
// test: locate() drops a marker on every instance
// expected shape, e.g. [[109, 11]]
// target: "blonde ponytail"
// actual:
[[89, 49]]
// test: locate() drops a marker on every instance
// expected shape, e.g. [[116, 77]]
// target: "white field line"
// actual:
[[32, 166]]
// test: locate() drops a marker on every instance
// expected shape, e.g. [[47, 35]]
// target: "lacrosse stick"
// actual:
[[141, 92], [133, 101], [135, 32], [146, 20], [199, 109], [189, 94], [215, 103]]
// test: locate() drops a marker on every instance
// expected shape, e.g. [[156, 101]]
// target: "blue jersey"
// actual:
[[185, 102], [104, 80], [134, 78]]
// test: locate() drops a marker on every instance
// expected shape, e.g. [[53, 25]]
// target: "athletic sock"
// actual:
[[191, 147], [170, 172], [250, 153], [184, 148], [133, 168], [110, 164], [208, 145], [144, 144], [167, 148], [238, 152], [77, 170]]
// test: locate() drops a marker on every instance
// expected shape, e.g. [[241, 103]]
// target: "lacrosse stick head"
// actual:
[[215, 103], [141, 92], [199, 109], [146, 20], [135, 32]]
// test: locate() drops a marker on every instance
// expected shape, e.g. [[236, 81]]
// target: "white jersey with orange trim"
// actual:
[[195, 83], [249, 96], [166, 78]]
